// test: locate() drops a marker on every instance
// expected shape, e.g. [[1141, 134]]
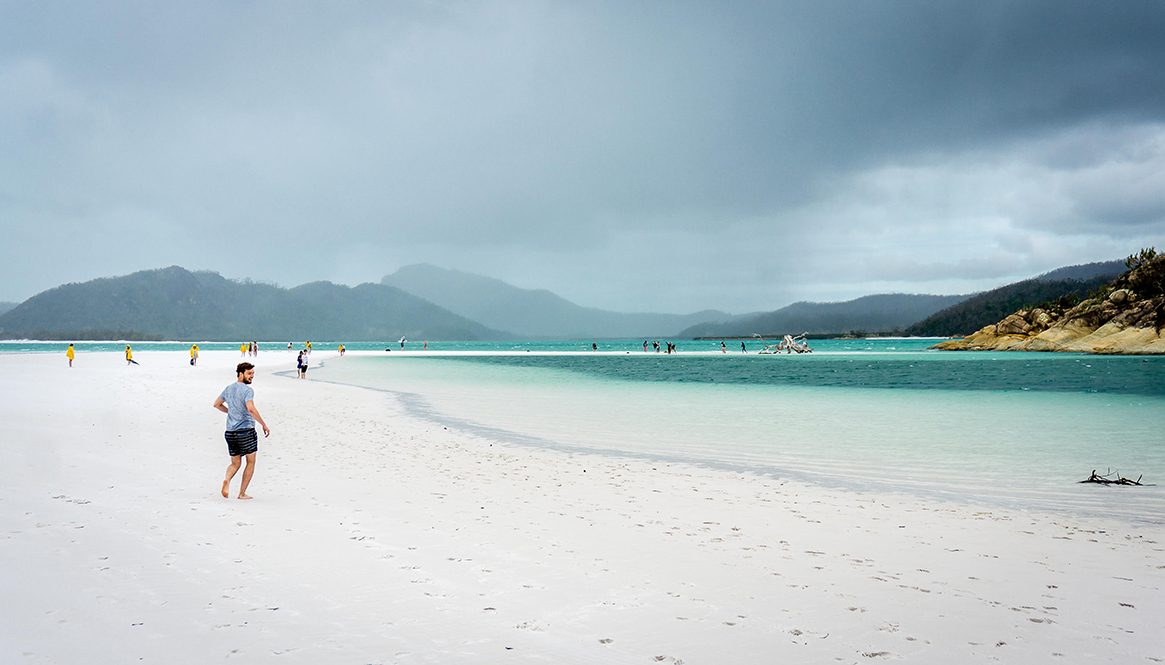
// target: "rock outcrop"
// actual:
[[1126, 317]]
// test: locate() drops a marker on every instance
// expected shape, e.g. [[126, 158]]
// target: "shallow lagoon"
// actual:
[[1002, 429]]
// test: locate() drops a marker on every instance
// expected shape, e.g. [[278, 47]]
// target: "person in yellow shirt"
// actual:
[[70, 355], [341, 349], [129, 356], [308, 345], [243, 349], [194, 355]]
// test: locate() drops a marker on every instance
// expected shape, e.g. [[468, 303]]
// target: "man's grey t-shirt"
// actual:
[[236, 397]]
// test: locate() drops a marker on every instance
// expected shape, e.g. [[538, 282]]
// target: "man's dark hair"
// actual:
[[243, 367]]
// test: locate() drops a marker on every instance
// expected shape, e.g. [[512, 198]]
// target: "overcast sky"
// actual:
[[637, 156]]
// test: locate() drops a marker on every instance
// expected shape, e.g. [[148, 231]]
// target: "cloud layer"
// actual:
[[636, 156]]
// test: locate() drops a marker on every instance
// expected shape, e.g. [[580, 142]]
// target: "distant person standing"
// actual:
[[303, 367], [129, 356], [341, 350], [645, 346], [299, 365], [289, 346], [402, 343], [194, 354], [742, 349], [243, 350], [238, 402], [70, 354], [594, 347], [307, 347], [723, 349]]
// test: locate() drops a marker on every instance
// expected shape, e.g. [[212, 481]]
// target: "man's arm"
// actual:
[[220, 405], [255, 414]]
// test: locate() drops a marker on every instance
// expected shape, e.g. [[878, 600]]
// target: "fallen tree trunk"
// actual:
[[1108, 479]]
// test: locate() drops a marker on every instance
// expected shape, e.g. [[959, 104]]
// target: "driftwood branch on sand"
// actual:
[[1108, 479]]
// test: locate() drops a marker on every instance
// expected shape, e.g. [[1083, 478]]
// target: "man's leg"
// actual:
[[236, 460], [248, 471]]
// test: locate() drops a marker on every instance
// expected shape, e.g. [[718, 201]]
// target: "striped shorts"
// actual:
[[242, 442]]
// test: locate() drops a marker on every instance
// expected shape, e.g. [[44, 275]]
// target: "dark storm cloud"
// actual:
[[730, 154]]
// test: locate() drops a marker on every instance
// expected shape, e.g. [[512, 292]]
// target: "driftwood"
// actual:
[[1108, 479], [789, 344]]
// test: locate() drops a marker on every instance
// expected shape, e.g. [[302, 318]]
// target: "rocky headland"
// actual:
[[1124, 317]]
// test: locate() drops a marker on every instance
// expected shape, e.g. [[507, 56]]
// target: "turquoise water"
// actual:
[[1007, 429]]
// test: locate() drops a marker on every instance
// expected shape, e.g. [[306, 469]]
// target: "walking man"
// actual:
[[238, 402]]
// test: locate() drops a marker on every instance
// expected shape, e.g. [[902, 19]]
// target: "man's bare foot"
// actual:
[[226, 489], [245, 496]]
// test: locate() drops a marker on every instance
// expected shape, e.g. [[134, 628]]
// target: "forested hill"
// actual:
[[1085, 271], [990, 307], [174, 303]]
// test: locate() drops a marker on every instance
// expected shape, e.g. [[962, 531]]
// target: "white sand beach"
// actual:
[[375, 537]]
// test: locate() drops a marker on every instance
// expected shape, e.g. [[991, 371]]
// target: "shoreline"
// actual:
[[376, 537], [776, 474]]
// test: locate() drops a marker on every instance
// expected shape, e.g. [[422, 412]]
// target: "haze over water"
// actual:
[[1003, 429]]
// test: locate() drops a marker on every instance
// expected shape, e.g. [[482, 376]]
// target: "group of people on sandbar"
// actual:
[[71, 354], [669, 347]]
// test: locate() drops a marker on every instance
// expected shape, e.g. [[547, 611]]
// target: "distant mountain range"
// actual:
[[532, 313], [424, 302], [5, 306], [989, 307], [174, 303], [876, 313]]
